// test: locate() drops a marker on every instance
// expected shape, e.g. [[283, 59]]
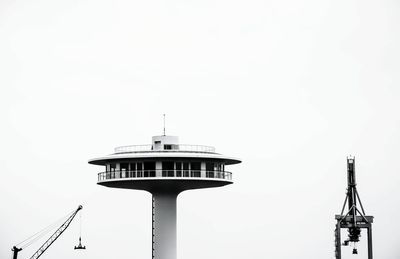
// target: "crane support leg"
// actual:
[[369, 229], [338, 242]]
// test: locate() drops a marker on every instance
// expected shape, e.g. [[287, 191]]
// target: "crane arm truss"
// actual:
[[56, 234]]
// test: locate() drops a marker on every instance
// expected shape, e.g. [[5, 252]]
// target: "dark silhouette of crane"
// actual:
[[52, 238], [355, 218]]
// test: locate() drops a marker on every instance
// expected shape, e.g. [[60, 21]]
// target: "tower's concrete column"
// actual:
[[164, 225]]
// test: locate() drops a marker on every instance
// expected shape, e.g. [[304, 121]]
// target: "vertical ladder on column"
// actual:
[[152, 228]]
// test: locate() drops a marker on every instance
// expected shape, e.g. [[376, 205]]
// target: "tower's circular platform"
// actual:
[[164, 164]]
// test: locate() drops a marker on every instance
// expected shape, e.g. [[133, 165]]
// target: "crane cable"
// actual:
[[42, 233], [80, 225], [30, 240]]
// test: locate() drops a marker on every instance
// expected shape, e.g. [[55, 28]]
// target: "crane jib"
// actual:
[[51, 239]]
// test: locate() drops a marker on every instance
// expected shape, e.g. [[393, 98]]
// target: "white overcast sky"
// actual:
[[290, 87]]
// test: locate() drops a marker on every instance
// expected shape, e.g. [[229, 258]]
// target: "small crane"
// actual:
[[52, 238], [355, 219]]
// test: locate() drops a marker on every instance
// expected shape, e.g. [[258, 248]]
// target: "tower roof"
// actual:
[[164, 147]]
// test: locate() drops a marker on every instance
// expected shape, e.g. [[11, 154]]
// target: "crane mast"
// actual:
[[355, 219], [51, 239]]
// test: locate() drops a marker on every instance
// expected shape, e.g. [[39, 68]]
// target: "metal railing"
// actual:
[[133, 148], [175, 148], [122, 174]]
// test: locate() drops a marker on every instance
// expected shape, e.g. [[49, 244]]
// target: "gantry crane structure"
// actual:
[[52, 238], [355, 218]]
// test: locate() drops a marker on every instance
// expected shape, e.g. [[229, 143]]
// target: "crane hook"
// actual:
[[80, 245]]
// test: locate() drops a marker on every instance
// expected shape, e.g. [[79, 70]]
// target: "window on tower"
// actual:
[[132, 169], [123, 167], [178, 169], [167, 169], [185, 169], [210, 170], [149, 169], [195, 169], [139, 169]]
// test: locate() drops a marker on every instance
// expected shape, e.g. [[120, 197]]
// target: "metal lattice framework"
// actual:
[[56, 235], [355, 219], [51, 239]]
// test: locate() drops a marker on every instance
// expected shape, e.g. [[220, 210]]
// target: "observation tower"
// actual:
[[165, 168]]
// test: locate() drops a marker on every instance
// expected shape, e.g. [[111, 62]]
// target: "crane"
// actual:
[[355, 219], [51, 239]]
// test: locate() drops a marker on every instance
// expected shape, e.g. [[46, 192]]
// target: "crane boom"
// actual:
[[51, 239], [56, 234]]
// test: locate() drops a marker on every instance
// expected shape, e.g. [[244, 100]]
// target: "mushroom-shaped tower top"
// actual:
[[164, 164]]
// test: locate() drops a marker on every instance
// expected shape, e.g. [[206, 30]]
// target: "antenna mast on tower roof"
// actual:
[[164, 123]]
